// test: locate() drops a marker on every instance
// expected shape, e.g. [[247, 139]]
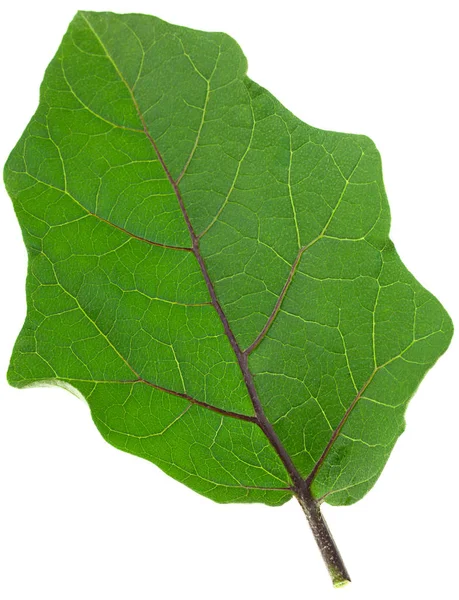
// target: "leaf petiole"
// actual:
[[323, 537]]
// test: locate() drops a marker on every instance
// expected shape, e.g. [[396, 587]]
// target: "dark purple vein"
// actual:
[[281, 297], [140, 379], [277, 306], [96, 216], [190, 399], [221, 411], [261, 418], [284, 290], [310, 478], [137, 237]]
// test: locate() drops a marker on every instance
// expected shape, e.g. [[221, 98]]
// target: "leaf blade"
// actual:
[[305, 207]]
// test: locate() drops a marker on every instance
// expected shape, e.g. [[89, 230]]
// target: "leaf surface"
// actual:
[[211, 274]]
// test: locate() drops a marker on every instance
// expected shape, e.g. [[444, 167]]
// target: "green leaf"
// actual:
[[211, 274]]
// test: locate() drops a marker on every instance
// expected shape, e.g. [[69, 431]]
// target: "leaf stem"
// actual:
[[323, 537], [301, 488]]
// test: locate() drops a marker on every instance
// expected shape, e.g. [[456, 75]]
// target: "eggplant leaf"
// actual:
[[213, 275]]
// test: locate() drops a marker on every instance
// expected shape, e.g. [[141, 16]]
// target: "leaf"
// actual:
[[213, 275]]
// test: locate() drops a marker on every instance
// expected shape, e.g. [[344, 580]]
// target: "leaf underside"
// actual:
[[155, 183]]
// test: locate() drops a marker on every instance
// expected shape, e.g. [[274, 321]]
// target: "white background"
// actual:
[[81, 520]]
